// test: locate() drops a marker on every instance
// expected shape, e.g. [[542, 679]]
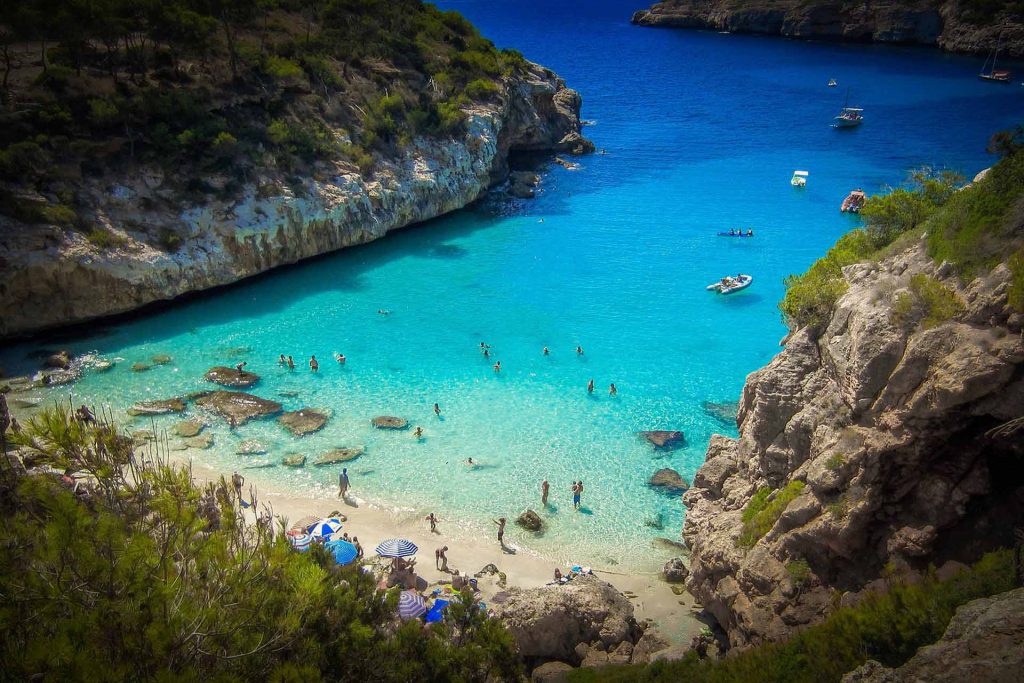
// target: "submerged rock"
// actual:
[[237, 407], [304, 421], [251, 447], [140, 367], [230, 377], [188, 428], [530, 521], [664, 439], [169, 405], [668, 479], [521, 184], [339, 455], [161, 359], [294, 460], [140, 437], [390, 422], [675, 570], [201, 441], [102, 365], [723, 412], [60, 360]]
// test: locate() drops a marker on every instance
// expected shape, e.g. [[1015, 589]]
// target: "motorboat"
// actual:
[[799, 178], [832, 83], [729, 284], [854, 202]]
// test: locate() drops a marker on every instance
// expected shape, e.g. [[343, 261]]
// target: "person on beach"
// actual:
[[282, 360], [437, 410], [547, 352], [497, 366], [501, 530], [240, 366], [343, 483], [291, 363], [579, 350], [440, 558], [418, 433], [544, 488], [313, 364], [590, 386], [237, 480], [433, 522], [558, 575], [359, 548], [612, 390]]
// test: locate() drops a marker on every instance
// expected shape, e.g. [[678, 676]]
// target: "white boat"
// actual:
[[799, 178], [728, 284], [832, 83], [849, 117]]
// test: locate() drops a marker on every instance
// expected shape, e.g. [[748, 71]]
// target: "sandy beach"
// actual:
[[653, 599]]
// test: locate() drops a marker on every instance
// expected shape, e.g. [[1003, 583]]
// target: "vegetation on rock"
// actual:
[[764, 509]]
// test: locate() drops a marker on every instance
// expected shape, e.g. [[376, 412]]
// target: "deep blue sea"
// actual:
[[702, 133]]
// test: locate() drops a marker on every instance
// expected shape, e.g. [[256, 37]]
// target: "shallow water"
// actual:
[[702, 133]]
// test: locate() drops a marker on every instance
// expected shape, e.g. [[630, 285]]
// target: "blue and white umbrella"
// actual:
[[300, 540], [397, 547], [343, 551], [411, 605], [325, 527]]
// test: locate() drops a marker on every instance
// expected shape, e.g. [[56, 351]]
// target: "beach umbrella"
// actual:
[[397, 547], [299, 540], [325, 527], [343, 551], [411, 604]]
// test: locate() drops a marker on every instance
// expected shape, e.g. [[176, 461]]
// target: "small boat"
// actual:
[[736, 233], [849, 117], [993, 74], [832, 83], [799, 178], [728, 285], [854, 202]]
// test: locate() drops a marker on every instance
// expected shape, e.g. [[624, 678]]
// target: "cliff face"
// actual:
[[879, 432], [927, 22], [54, 276]]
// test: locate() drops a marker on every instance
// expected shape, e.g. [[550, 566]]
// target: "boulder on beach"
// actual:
[[237, 407], [551, 672], [230, 377], [294, 460], [188, 428], [251, 447], [665, 439], [675, 570], [337, 455], [168, 405], [550, 621], [390, 422], [667, 479], [304, 421], [530, 521], [202, 441], [60, 360], [161, 359]]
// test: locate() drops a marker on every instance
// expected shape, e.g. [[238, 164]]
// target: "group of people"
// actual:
[[314, 364], [733, 232]]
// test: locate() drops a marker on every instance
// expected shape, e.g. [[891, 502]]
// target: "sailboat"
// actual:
[[993, 74], [849, 117]]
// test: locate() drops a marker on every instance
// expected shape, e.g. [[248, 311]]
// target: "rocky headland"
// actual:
[[868, 448], [949, 24]]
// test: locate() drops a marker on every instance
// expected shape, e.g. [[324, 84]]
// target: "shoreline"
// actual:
[[675, 616]]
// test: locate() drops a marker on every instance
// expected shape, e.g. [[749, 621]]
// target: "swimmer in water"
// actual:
[[590, 387], [291, 363], [340, 357], [547, 351], [313, 364], [281, 360], [418, 433], [612, 390], [437, 410], [497, 366], [487, 354], [579, 350]]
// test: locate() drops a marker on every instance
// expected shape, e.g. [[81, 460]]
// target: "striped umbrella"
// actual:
[[299, 540], [411, 605], [343, 551], [325, 527], [396, 547]]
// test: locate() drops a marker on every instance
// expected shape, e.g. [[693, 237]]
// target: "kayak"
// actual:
[[734, 284], [735, 234]]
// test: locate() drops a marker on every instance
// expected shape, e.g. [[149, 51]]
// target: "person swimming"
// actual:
[[282, 360], [579, 350], [340, 357], [487, 354], [750, 232], [497, 366], [547, 352], [612, 390], [418, 433]]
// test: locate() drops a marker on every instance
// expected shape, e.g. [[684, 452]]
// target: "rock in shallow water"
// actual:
[[667, 479], [665, 439], [203, 441], [390, 422], [530, 521], [188, 428], [237, 407], [230, 377], [251, 447], [339, 455], [294, 460], [169, 405], [675, 570], [304, 421]]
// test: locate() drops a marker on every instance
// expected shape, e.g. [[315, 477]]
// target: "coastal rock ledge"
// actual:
[[56, 277], [865, 448]]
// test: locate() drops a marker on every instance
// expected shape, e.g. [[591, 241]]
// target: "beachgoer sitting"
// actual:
[[558, 575]]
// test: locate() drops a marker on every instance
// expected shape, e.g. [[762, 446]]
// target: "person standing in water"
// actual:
[[281, 360], [579, 350], [544, 487], [590, 387], [612, 390], [433, 522], [577, 488], [313, 364], [418, 433], [497, 366], [238, 481], [547, 352], [291, 363], [501, 530], [343, 483], [437, 410]]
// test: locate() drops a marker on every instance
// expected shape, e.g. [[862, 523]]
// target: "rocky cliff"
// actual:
[[950, 24], [864, 450], [55, 276]]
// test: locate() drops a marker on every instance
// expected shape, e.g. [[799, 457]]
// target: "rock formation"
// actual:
[[337, 455], [983, 642], [170, 405], [304, 421], [56, 276], [230, 377], [664, 439], [948, 24], [390, 422], [237, 407], [864, 448], [530, 521], [668, 480]]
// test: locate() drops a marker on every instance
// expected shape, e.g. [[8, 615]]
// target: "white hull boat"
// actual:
[[728, 285]]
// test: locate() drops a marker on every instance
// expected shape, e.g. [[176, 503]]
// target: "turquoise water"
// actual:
[[702, 133]]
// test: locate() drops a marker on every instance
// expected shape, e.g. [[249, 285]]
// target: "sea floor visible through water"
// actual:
[[701, 133]]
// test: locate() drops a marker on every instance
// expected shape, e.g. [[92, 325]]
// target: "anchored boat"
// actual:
[[728, 285], [799, 178], [854, 202], [993, 74], [849, 117]]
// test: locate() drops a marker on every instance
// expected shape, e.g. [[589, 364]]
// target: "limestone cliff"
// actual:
[[950, 24], [878, 432], [54, 276]]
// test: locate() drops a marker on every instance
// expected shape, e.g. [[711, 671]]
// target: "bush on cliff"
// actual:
[[888, 627], [764, 509], [149, 577]]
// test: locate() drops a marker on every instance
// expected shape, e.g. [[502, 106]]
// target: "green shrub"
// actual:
[[926, 300], [1016, 294], [810, 297], [799, 572], [835, 461], [103, 113], [281, 68], [763, 511], [482, 89], [104, 239]]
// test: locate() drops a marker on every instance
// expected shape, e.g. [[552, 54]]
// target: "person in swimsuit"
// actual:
[[546, 351], [291, 363], [579, 350], [433, 522], [497, 366], [590, 387], [313, 364], [612, 390], [437, 410], [501, 529], [544, 488]]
